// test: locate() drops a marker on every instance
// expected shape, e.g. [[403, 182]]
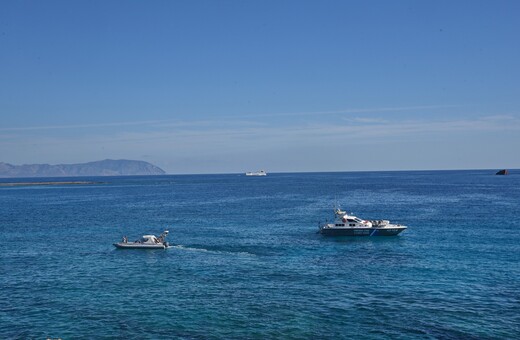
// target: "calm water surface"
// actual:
[[247, 262]]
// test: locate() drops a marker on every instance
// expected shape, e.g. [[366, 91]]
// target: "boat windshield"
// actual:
[[358, 220]]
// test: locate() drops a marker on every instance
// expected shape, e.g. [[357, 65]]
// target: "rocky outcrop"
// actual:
[[107, 167]]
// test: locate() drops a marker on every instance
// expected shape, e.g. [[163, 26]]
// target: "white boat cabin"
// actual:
[[349, 221], [149, 239]]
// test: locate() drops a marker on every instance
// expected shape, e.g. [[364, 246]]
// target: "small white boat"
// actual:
[[350, 225], [145, 242], [257, 173]]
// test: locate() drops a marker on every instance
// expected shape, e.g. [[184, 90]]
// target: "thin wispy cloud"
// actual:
[[360, 110], [348, 129], [243, 118], [81, 126], [231, 145]]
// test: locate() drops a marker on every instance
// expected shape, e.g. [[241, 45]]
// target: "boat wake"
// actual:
[[220, 252]]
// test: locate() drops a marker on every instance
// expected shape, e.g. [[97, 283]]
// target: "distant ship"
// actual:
[[502, 172], [257, 173], [349, 225]]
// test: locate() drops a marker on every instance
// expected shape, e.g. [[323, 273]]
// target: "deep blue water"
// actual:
[[247, 262]]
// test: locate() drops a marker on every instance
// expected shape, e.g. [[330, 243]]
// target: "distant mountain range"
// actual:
[[107, 167]]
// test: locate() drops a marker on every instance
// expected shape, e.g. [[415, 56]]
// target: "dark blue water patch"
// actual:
[[246, 261]]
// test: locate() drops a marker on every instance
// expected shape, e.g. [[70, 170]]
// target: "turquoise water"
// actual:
[[247, 261]]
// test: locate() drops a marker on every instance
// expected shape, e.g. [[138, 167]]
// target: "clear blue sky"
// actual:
[[232, 86]]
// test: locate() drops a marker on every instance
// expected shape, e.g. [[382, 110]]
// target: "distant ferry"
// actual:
[[349, 225], [257, 173]]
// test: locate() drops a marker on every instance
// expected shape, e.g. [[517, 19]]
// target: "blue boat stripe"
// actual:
[[373, 232]]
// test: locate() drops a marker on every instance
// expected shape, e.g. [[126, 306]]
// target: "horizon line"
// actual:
[[275, 172]]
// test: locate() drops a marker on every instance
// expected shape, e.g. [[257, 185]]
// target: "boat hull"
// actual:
[[362, 231], [131, 245]]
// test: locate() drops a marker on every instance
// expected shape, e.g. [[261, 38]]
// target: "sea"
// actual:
[[246, 261]]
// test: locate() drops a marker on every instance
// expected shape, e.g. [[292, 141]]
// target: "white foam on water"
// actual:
[[243, 253]]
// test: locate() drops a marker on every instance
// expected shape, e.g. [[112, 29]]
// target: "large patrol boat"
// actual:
[[350, 225]]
